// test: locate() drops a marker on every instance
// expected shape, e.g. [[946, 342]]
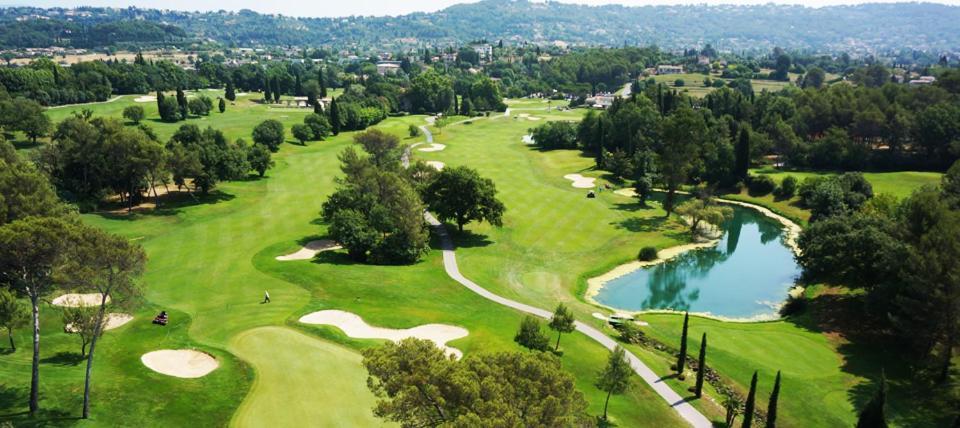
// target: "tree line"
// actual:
[[45, 249]]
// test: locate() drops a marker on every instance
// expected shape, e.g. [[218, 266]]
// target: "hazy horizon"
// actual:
[[392, 8]]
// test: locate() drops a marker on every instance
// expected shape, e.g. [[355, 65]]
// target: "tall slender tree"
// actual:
[[32, 252], [772, 405], [615, 377], [562, 322], [159, 100], [742, 162], [334, 117], [751, 403], [13, 315], [107, 265], [231, 92], [701, 366], [322, 82], [267, 96], [682, 358], [873, 415]]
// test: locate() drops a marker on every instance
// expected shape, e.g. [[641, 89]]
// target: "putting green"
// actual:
[[320, 375]]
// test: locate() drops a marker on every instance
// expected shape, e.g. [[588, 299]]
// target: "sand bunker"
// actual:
[[114, 320], [436, 165], [145, 99], [528, 139], [311, 249], [434, 147], [354, 326], [185, 363], [77, 300], [240, 94], [580, 181]]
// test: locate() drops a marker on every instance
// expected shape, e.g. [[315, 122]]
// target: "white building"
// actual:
[[388, 67], [669, 69], [485, 51]]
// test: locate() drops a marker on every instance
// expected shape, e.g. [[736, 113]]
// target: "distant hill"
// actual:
[[867, 27]]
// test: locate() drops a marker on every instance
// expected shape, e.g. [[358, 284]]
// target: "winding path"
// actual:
[[678, 403]]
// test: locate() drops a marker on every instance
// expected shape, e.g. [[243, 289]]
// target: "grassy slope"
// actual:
[[898, 184], [209, 266]]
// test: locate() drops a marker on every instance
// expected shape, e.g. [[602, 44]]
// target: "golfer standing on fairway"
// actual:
[[266, 297]]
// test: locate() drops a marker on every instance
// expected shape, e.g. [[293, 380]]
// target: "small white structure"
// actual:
[[923, 80], [485, 51], [669, 69], [387, 67]]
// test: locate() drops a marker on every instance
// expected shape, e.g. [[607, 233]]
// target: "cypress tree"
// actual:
[[873, 414], [742, 154], [230, 93], [772, 405], [456, 103], [682, 358], [751, 403], [298, 87], [159, 100], [223, 105], [267, 96], [276, 89], [182, 102], [698, 390], [334, 117], [322, 82]]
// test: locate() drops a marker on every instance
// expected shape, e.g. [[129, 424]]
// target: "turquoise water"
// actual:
[[745, 276]]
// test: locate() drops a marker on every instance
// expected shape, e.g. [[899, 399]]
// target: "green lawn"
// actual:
[[209, 265], [693, 83], [898, 184]]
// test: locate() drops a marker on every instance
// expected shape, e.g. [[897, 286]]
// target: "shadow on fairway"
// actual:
[[170, 204], [467, 239], [64, 359], [914, 398]]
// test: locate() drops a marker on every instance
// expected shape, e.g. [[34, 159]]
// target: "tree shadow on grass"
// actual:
[[467, 239], [867, 350], [170, 204], [642, 224], [339, 258], [64, 359]]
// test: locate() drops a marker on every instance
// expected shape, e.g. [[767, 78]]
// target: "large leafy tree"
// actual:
[[683, 134], [699, 212], [460, 194], [419, 386], [32, 252], [270, 133]]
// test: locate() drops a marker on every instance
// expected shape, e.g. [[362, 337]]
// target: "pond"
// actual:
[[746, 276]]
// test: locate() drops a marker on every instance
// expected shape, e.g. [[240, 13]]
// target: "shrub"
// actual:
[[793, 306], [760, 185], [133, 113], [414, 131], [788, 187], [647, 254], [679, 83]]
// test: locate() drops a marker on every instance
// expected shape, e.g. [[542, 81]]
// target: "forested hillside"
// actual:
[[921, 26]]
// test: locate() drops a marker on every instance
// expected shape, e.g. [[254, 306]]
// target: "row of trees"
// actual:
[[90, 159], [44, 248]]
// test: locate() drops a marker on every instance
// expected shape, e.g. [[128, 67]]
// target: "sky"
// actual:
[[327, 8]]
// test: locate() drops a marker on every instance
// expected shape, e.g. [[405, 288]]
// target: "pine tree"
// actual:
[[702, 366], [456, 103], [751, 403], [334, 117], [682, 358], [615, 377], [772, 405], [742, 164], [562, 322], [873, 414]]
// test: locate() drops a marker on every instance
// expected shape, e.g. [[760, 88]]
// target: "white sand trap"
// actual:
[[628, 192], [533, 118], [240, 94], [354, 326], [77, 300], [185, 363], [528, 139], [580, 181], [114, 320], [434, 147], [310, 250], [437, 165], [145, 99]]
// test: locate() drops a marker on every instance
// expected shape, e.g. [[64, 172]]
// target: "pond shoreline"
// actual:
[[596, 284]]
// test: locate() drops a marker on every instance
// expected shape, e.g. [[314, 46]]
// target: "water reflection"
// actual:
[[745, 275]]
